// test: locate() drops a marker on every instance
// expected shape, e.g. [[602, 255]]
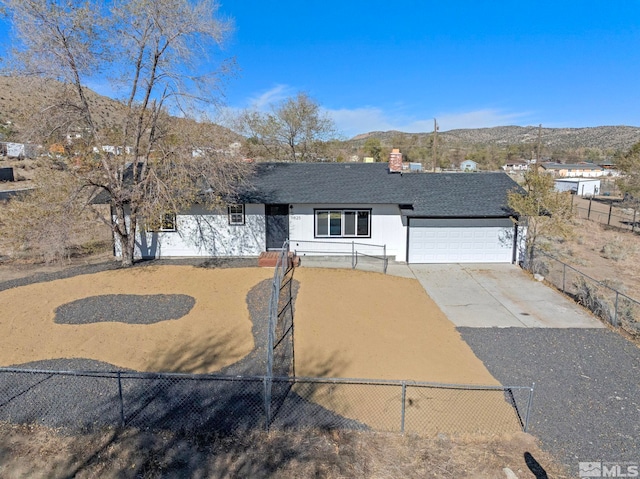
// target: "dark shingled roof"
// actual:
[[444, 195], [431, 194]]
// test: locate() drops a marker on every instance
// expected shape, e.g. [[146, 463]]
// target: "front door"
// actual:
[[277, 225]]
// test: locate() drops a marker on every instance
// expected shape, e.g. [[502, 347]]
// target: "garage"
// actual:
[[461, 240]]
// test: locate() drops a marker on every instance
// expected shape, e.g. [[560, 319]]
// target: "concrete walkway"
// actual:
[[498, 295]]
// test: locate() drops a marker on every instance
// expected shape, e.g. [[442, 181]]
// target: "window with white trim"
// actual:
[[343, 223], [166, 222], [236, 214]]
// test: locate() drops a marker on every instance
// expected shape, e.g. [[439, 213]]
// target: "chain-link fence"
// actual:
[[606, 302], [625, 218], [85, 401], [280, 349], [90, 400]]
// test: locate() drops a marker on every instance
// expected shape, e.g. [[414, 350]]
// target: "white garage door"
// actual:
[[460, 241]]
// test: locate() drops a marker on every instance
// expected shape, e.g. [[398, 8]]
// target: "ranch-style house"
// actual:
[[330, 208]]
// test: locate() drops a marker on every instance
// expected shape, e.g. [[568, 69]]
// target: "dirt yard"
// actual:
[[215, 333], [355, 324], [349, 324], [605, 254], [358, 324]]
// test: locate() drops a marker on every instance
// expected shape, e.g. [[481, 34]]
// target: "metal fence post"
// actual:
[[564, 275], [610, 208], [267, 403], [589, 210], [633, 225], [529, 402], [404, 401], [615, 313], [353, 252], [122, 421], [384, 252]]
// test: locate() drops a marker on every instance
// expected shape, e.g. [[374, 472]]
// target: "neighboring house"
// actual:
[[114, 150], [610, 168], [515, 165], [323, 207], [469, 165], [579, 186], [17, 150], [586, 170]]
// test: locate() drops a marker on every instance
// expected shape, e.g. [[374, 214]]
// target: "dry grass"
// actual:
[[603, 253], [34, 451]]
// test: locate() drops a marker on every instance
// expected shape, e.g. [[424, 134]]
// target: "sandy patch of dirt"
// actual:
[[215, 333], [355, 324]]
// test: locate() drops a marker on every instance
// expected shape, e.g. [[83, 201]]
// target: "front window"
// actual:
[[166, 222], [343, 223], [236, 214]]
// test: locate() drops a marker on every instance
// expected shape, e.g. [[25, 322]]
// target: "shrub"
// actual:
[[591, 296], [614, 251]]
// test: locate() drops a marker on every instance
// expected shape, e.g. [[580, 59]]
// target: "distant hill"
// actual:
[[600, 137], [19, 97]]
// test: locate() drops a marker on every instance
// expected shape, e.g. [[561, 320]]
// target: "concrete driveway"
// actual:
[[498, 295]]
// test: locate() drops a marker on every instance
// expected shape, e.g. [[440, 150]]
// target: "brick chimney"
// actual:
[[395, 161]]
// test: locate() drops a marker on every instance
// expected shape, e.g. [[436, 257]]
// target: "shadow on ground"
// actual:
[[156, 424]]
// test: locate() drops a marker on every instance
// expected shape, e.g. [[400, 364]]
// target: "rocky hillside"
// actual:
[[601, 137], [21, 97]]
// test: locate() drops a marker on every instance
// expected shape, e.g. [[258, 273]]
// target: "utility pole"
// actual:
[[539, 145], [435, 144]]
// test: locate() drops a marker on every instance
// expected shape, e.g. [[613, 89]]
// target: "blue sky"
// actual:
[[380, 65]]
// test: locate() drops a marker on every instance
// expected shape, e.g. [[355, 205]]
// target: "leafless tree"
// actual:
[[293, 130], [152, 52]]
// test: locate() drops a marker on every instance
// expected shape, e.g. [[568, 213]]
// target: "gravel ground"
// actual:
[[587, 397], [85, 401], [125, 308]]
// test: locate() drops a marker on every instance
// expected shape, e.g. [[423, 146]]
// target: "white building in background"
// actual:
[[579, 186], [17, 150]]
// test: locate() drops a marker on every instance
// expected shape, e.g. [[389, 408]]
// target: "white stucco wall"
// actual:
[[202, 233], [205, 233], [387, 228]]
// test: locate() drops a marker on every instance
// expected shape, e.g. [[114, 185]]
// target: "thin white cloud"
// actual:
[[362, 120], [269, 97], [262, 101]]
